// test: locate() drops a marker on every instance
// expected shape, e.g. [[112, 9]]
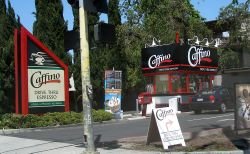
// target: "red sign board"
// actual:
[[41, 78]]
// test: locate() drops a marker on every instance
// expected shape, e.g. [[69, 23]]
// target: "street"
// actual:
[[112, 131], [68, 139]]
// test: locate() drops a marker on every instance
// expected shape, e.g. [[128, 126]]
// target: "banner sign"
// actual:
[[242, 115], [113, 89], [176, 57], [113, 100], [41, 77], [164, 125]]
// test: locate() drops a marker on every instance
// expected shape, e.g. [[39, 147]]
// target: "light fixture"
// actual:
[[154, 42], [207, 43], [215, 42], [197, 40]]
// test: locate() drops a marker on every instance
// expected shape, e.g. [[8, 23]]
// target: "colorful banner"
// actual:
[[113, 85], [113, 100]]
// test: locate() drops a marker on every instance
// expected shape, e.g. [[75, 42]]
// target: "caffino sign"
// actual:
[[196, 54], [175, 57], [38, 79], [46, 87], [155, 60], [41, 77]]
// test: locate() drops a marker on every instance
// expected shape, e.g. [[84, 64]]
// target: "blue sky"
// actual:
[[208, 9]]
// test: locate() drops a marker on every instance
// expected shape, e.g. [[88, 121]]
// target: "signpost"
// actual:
[[164, 125]]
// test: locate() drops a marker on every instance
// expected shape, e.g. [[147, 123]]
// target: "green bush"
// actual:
[[49, 119], [101, 115], [10, 121]]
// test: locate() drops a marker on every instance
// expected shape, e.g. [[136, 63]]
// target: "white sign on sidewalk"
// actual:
[[164, 125]]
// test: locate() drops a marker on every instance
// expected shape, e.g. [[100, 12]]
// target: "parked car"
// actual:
[[217, 98]]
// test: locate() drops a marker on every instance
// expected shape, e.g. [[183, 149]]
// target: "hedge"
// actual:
[[14, 121]]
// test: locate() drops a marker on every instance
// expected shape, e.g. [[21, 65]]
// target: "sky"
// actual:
[[208, 9]]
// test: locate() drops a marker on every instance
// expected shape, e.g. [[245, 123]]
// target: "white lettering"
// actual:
[[155, 60], [195, 58]]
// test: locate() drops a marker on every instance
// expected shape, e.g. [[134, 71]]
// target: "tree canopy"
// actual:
[[8, 23], [49, 26], [236, 18]]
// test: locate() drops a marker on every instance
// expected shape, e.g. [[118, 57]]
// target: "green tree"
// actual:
[[8, 23], [114, 16], [236, 18], [160, 19], [49, 26]]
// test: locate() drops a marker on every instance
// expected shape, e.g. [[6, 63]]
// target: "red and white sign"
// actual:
[[41, 78], [168, 128]]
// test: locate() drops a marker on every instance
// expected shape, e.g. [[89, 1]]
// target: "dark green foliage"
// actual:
[[101, 115], [49, 119], [114, 16], [236, 18], [8, 23], [50, 26]]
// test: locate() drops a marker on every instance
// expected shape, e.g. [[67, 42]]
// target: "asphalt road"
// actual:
[[189, 122]]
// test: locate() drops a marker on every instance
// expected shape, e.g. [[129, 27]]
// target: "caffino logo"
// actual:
[[155, 60], [162, 114], [197, 54], [38, 79]]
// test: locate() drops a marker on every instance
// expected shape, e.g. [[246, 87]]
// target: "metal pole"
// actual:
[[137, 111], [85, 75]]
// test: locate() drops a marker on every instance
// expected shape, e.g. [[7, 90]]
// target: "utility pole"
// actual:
[[86, 85]]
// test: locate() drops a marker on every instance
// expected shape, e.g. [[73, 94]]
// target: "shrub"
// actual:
[[10, 121], [101, 115], [49, 119]]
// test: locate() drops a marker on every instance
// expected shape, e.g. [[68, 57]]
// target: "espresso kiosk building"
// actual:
[[176, 71]]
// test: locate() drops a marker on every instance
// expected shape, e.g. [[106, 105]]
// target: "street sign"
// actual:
[[164, 125]]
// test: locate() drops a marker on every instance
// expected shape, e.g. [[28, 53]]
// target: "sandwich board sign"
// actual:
[[164, 125], [41, 78]]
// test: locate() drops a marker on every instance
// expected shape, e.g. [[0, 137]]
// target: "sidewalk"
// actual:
[[14, 145]]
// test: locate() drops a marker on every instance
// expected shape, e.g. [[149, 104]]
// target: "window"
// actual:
[[178, 82], [161, 84], [199, 82]]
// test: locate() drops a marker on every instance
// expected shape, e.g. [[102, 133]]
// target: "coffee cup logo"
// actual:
[[37, 58]]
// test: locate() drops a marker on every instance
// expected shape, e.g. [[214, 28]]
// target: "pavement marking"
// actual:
[[136, 118], [210, 117], [225, 120]]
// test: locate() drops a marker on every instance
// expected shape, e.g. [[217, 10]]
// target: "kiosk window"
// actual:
[[179, 83], [199, 82], [161, 83]]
